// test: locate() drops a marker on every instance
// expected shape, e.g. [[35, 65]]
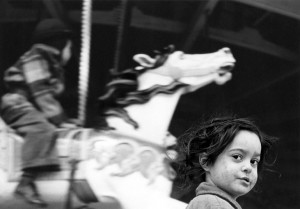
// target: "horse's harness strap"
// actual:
[[76, 140], [80, 187], [83, 191]]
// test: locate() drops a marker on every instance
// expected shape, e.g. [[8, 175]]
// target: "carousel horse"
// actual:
[[125, 164]]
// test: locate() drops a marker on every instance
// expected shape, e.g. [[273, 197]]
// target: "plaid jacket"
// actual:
[[39, 77]]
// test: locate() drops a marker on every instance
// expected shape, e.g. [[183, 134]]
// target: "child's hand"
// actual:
[[75, 121], [68, 125]]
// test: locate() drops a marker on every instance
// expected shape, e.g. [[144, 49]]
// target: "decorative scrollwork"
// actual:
[[129, 157]]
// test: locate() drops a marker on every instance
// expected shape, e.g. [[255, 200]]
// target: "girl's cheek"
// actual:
[[255, 177]]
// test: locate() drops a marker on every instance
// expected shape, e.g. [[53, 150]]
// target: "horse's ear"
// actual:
[[144, 60]]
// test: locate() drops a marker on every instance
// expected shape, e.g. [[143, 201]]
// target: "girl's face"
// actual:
[[235, 169]]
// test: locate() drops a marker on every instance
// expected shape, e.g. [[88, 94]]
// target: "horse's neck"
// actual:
[[155, 116], [149, 79]]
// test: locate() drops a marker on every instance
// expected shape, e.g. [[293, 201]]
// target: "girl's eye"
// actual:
[[254, 162], [237, 157]]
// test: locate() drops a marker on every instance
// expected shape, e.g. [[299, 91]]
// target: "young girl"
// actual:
[[226, 155]]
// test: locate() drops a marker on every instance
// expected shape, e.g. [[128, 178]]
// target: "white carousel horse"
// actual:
[[126, 165]]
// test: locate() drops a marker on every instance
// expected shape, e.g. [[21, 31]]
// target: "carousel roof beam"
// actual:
[[198, 22], [124, 20], [248, 38], [261, 19], [251, 39], [19, 20], [288, 8], [56, 9], [141, 20], [10, 14], [138, 20]]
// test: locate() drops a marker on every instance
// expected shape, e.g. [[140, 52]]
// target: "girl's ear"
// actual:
[[203, 161]]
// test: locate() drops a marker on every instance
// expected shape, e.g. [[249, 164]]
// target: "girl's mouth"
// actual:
[[246, 179]]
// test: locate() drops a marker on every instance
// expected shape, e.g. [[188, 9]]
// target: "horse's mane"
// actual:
[[122, 90]]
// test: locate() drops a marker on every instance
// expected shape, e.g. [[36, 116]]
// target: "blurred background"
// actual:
[[262, 34]]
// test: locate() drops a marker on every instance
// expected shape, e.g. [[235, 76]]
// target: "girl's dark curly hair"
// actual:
[[212, 137]]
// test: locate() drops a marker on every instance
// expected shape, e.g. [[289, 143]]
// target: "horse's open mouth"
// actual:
[[226, 68]]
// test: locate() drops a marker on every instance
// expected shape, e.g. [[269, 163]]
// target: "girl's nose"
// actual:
[[247, 168]]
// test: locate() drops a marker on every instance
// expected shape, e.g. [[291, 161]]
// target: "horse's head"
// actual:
[[191, 69], [157, 84]]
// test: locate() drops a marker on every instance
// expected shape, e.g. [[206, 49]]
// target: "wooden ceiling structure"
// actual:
[[189, 18], [264, 36], [262, 26]]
